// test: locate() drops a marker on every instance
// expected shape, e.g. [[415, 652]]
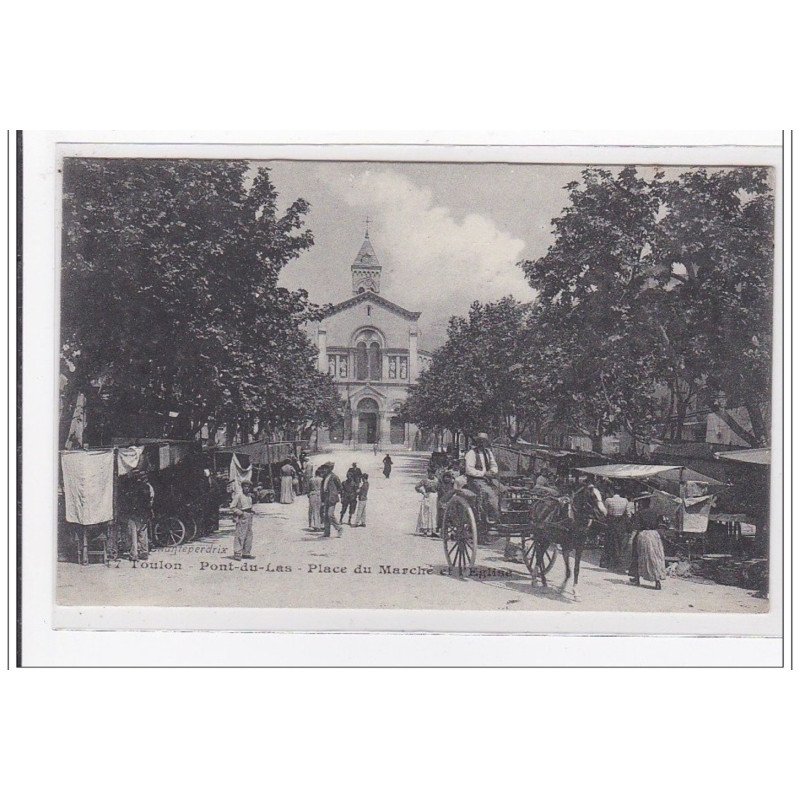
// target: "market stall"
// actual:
[[258, 462], [91, 482], [682, 496]]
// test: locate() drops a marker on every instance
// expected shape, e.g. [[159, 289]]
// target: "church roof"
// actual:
[[366, 258], [378, 300]]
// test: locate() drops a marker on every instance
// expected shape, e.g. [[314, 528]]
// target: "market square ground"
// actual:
[[383, 566]]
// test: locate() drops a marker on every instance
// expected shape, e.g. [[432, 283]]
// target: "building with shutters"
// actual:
[[371, 348]]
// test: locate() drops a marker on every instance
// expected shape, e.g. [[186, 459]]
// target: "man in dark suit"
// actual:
[[330, 492], [354, 473], [349, 498]]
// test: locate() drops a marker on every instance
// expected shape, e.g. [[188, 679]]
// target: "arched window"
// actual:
[[362, 367], [375, 365]]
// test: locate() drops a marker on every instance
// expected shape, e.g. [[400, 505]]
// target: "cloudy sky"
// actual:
[[445, 234]]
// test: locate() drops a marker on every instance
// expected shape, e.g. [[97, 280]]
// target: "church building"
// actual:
[[370, 347]]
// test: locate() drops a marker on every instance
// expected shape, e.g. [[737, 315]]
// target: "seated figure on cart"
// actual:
[[481, 471], [478, 508]]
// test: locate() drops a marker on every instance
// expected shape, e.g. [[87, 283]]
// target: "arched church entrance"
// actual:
[[367, 411]]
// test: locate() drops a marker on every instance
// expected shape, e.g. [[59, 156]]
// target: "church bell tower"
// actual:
[[366, 269]]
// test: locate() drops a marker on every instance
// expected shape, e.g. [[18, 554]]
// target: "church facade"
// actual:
[[370, 347]]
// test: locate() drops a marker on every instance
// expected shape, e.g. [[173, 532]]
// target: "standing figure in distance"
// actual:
[[361, 510], [288, 474], [617, 530], [137, 503], [426, 520], [647, 557], [349, 499], [331, 492], [242, 507], [387, 466], [315, 501], [354, 473]]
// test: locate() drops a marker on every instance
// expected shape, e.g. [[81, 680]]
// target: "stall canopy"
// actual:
[[644, 472], [761, 456], [264, 452], [686, 509]]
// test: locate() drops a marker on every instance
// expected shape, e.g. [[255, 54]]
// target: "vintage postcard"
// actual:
[[333, 380]]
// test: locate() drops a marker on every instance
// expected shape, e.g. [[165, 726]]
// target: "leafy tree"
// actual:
[[170, 296], [598, 356], [656, 294], [715, 245], [482, 376]]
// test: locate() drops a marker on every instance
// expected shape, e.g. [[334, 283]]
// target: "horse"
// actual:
[[565, 521]]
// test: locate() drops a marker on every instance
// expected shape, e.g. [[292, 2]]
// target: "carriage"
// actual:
[[464, 525]]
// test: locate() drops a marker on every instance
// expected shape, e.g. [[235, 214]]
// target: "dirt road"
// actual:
[[385, 565]]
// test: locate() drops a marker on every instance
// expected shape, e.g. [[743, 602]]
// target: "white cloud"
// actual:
[[432, 261]]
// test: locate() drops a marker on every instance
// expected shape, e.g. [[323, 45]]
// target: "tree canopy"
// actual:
[[656, 294], [654, 297], [170, 295], [483, 376]]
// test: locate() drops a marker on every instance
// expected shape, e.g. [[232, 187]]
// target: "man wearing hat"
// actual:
[[354, 473], [481, 470], [330, 493], [242, 507], [136, 501]]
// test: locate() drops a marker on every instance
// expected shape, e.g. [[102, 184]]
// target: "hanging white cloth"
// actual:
[[128, 459], [88, 486], [237, 474]]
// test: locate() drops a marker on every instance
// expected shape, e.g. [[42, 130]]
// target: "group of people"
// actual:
[[633, 539], [327, 491], [478, 472], [296, 477]]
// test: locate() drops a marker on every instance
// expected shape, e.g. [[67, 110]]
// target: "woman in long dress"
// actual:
[[315, 502], [647, 556], [287, 479], [426, 520], [387, 466]]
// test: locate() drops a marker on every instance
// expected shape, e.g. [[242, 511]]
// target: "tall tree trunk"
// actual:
[[680, 416], [760, 432], [597, 439]]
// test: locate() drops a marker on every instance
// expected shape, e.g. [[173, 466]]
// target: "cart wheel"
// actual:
[[169, 532], [192, 527], [529, 555], [460, 535]]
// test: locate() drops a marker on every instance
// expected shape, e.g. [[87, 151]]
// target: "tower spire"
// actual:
[[366, 227], [366, 269]]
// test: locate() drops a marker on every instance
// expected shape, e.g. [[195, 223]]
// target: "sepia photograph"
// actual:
[[336, 384]]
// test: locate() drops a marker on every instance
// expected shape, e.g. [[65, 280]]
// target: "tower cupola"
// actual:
[[366, 268]]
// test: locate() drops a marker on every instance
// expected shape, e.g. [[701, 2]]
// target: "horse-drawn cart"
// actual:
[[464, 524]]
